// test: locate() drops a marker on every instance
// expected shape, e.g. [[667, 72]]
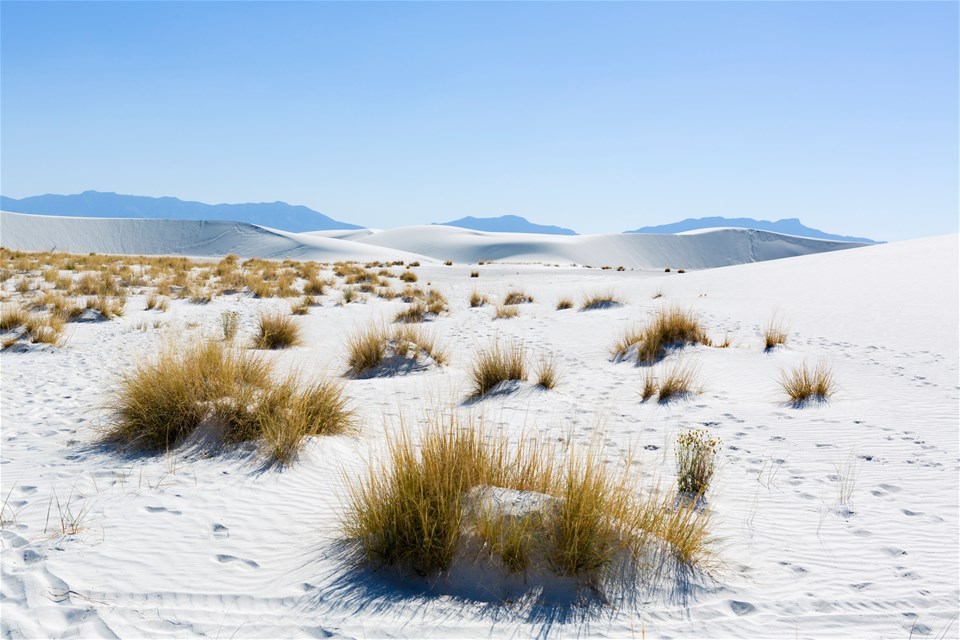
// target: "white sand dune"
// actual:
[[187, 546], [179, 237], [721, 247], [716, 248]]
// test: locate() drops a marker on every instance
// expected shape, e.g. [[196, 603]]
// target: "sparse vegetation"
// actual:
[[477, 299], [276, 331], [496, 364], [804, 384], [408, 276], [474, 274], [547, 372], [416, 312], [564, 303], [228, 324], [504, 312], [677, 382], [369, 347]]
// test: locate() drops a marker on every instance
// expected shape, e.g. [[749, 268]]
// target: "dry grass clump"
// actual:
[[564, 303], [477, 299], [229, 323], [301, 308], [436, 302], [474, 274], [416, 312], [671, 327], [408, 276], [160, 404], [497, 364], [774, 334], [109, 308], [504, 312], [11, 317], [46, 329], [314, 287], [277, 331], [804, 384], [369, 347], [677, 382], [584, 517], [517, 297], [547, 372], [695, 453], [603, 300]]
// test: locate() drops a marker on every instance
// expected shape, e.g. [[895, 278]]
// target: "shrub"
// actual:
[[497, 364], [474, 274], [564, 303], [448, 263], [408, 276], [503, 312], [667, 270], [804, 384], [774, 334], [517, 297], [671, 327], [599, 301], [228, 324], [276, 331], [695, 453]]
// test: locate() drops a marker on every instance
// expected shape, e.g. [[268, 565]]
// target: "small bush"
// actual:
[[474, 274], [228, 324], [408, 276], [497, 364], [448, 263], [564, 303], [695, 453], [276, 331], [804, 384], [517, 297], [503, 312]]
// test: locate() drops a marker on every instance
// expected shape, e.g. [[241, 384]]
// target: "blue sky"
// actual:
[[596, 116]]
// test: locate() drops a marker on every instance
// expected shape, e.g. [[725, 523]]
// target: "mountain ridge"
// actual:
[[789, 226], [506, 224], [107, 204]]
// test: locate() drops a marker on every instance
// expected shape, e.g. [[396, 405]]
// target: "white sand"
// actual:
[[183, 546], [717, 248]]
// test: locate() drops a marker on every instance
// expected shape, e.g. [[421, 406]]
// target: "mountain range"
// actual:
[[97, 204], [511, 224], [789, 226], [297, 218]]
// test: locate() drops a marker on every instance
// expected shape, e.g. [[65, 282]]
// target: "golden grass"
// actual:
[[477, 299], [677, 382], [408, 276], [277, 331], [548, 374], [497, 364], [601, 300], [564, 303], [436, 302], [516, 297], [416, 312], [159, 404], [695, 452], [804, 384], [413, 509], [368, 347], [109, 308], [503, 312], [46, 329], [671, 327], [11, 317], [774, 334]]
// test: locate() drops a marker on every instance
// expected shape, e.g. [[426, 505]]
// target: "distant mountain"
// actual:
[[790, 226], [512, 224], [97, 204]]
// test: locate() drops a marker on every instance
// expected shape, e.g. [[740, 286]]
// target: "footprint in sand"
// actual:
[[220, 531], [223, 559], [163, 509]]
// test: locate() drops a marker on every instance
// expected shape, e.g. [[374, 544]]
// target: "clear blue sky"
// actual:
[[596, 116]]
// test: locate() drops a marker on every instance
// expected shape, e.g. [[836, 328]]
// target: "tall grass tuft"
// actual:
[[602, 300], [503, 312], [547, 372], [671, 327], [277, 331], [774, 334], [496, 364], [677, 382], [564, 303], [517, 297], [804, 384]]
